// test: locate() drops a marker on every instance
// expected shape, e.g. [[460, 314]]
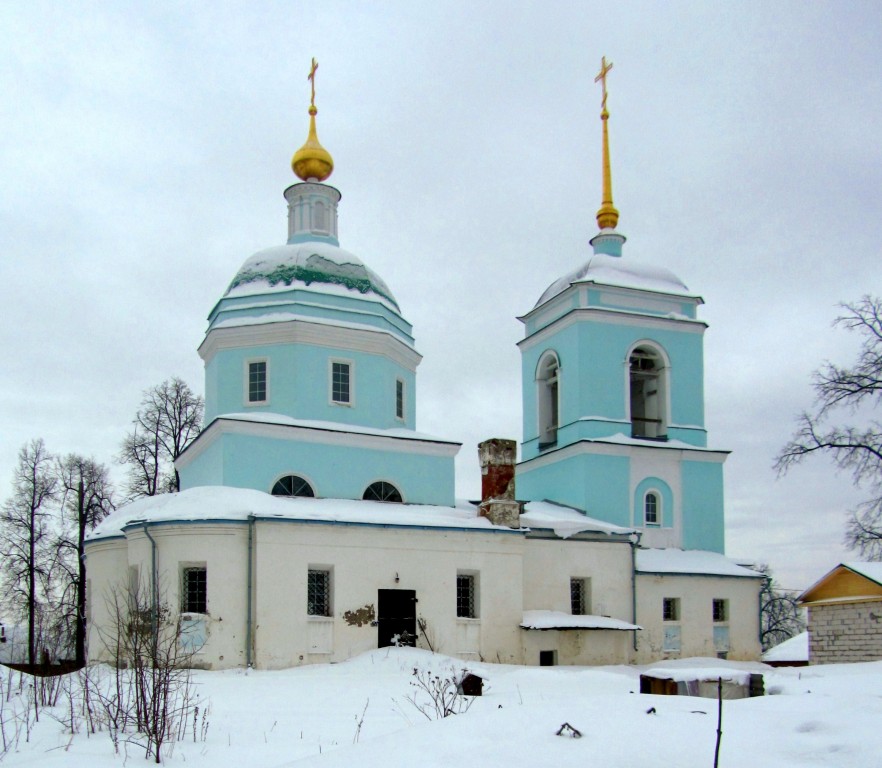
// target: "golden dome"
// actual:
[[312, 162]]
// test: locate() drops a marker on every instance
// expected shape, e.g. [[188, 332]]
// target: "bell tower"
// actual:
[[612, 368]]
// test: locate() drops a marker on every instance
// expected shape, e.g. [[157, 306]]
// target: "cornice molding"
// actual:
[[300, 331]]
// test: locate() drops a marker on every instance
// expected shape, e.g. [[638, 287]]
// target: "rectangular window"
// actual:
[[399, 399], [318, 593], [721, 609], [257, 382], [194, 590], [341, 380], [465, 596], [671, 609], [580, 597], [721, 640]]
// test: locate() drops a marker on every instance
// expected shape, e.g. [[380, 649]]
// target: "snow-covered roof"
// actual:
[[686, 673], [561, 620], [690, 562], [614, 270], [565, 521], [325, 264], [794, 649], [217, 503], [266, 417]]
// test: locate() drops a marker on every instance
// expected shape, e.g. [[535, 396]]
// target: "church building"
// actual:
[[315, 522]]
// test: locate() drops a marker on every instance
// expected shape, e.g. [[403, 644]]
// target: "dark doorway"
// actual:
[[547, 658], [396, 615]]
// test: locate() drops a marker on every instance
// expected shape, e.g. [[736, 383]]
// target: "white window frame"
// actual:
[[474, 579], [341, 361], [662, 404], [246, 380], [658, 509], [548, 387], [401, 385]]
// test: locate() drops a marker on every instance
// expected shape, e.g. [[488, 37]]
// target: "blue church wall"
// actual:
[[247, 461], [593, 483], [594, 383], [299, 385], [206, 469], [703, 523], [666, 518], [341, 309]]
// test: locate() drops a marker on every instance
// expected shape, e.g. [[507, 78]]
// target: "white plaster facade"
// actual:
[[514, 570]]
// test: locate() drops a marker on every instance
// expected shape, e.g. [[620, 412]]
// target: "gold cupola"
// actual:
[[312, 162]]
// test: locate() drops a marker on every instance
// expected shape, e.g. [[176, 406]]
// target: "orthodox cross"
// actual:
[[601, 78], [311, 78]]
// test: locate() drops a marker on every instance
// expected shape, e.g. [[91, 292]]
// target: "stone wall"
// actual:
[[845, 632]]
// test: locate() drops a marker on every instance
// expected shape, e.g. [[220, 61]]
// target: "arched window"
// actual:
[[292, 485], [651, 509], [382, 491], [647, 393], [548, 398]]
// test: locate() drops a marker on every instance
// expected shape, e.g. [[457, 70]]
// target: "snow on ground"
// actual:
[[815, 716]]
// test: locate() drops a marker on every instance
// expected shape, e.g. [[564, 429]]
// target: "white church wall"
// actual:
[[692, 631], [363, 560], [578, 647]]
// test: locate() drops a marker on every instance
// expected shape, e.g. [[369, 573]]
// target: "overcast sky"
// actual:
[[145, 147]]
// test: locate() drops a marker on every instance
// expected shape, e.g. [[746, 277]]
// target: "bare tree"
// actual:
[[87, 498], [779, 613], [856, 449], [25, 535], [169, 419]]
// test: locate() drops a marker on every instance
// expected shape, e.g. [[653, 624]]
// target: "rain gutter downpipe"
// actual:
[[249, 661], [154, 583], [635, 542]]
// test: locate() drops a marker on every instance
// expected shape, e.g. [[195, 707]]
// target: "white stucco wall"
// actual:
[[696, 595]]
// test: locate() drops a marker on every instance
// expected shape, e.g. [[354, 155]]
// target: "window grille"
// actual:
[[651, 509], [465, 596], [720, 610], [578, 597], [195, 591], [318, 593]]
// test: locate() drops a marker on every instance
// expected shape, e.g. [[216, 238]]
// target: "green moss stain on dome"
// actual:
[[316, 269]]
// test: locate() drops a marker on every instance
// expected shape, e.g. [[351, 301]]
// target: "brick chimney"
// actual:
[[498, 504]]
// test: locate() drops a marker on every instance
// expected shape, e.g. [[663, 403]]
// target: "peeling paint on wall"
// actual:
[[360, 616]]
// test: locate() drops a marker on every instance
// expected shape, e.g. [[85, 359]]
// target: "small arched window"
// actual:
[[647, 393], [292, 485], [548, 399], [382, 491], [651, 509]]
